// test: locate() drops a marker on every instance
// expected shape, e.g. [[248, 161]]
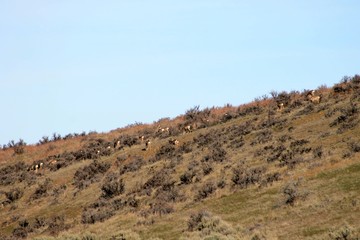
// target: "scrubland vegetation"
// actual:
[[280, 167]]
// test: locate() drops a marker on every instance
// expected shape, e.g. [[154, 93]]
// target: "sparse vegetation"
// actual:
[[113, 186], [14, 194], [89, 174], [106, 184], [244, 176], [293, 193]]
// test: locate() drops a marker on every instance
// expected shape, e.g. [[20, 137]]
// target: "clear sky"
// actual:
[[84, 65]]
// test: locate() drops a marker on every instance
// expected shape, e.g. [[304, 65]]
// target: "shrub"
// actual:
[[161, 208], [275, 152], [68, 136], [195, 220], [169, 195], [348, 119], [244, 176], [19, 147], [120, 159], [22, 230], [192, 113], [187, 177], [218, 154], [196, 115], [113, 186], [13, 173], [42, 190], [132, 166], [91, 215], [344, 233], [43, 140], [133, 202], [318, 152], [128, 140], [221, 183], [270, 178], [167, 151], [297, 146], [309, 108], [59, 190], [14, 194], [39, 222], [203, 225], [262, 137], [293, 193], [283, 97], [125, 235], [85, 176], [248, 110], [185, 147], [57, 225], [103, 209], [228, 116], [160, 178], [56, 137], [207, 189], [207, 168], [203, 140], [290, 160], [354, 147], [340, 88]]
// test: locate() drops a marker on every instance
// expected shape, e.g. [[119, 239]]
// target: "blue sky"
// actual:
[[72, 66]]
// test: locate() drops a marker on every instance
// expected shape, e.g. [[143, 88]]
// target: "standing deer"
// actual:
[[174, 141], [280, 107], [313, 98], [147, 144], [187, 129]]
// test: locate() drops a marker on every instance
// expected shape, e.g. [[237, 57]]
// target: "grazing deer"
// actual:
[[174, 141], [147, 144], [117, 144], [160, 129], [187, 129], [280, 107], [53, 162], [36, 167]]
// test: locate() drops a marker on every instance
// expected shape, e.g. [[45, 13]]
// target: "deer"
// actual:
[[280, 107], [160, 129], [187, 129], [313, 98], [147, 144], [174, 141], [117, 144]]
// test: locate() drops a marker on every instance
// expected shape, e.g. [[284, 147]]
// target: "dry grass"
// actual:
[[326, 188]]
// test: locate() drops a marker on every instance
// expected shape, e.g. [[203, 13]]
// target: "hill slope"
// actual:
[[280, 168]]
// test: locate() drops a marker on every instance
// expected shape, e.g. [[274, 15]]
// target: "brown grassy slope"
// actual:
[[259, 172]]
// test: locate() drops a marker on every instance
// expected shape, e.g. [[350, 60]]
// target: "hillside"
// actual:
[[283, 167]]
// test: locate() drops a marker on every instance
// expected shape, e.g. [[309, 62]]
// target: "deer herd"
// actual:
[[36, 167], [311, 96]]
